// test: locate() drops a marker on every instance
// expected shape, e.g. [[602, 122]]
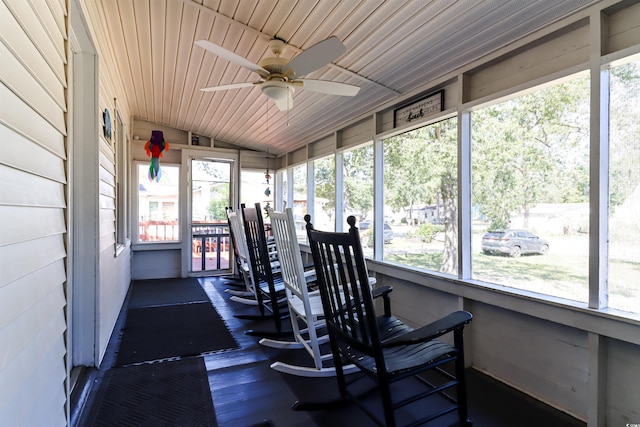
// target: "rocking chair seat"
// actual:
[[402, 348]]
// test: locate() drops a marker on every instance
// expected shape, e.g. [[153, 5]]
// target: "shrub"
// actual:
[[427, 231]]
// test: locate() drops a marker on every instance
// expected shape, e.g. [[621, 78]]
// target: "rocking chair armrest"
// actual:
[[383, 291], [450, 322]]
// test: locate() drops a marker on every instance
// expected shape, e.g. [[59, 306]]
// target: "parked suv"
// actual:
[[387, 232], [513, 243]]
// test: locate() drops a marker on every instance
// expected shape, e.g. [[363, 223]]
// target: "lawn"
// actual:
[[563, 273]]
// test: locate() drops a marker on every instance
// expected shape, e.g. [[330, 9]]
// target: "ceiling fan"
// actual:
[[280, 76]]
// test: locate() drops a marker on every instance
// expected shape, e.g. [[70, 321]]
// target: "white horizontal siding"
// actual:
[[35, 331], [33, 209], [53, 51], [29, 189], [27, 291], [21, 259], [41, 397], [27, 53], [19, 332], [19, 117], [30, 223], [20, 80], [58, 12]]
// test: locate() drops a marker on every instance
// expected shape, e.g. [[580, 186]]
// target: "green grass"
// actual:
[[560, 275]]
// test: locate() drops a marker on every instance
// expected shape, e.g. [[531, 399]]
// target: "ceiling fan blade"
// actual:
[[232, 57], [285, 103], [328, 87], [230, 86], [318, 55]]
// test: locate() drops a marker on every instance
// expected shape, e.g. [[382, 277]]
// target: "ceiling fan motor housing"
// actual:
[[276, 89]]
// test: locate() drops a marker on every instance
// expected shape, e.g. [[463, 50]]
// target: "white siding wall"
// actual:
[[32, 208], [114, 271]]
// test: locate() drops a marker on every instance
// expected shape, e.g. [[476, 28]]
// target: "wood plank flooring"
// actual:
[[247, 392]]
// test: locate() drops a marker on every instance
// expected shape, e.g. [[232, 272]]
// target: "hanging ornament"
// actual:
[[154, 148], [267, 177]]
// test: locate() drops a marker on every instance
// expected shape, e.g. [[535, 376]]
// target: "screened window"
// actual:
[[358, 191], [324, 171], [257, 187], [122, 162], [624, 188], [300, 199], [158, 204], [420, 198], [530, 199]]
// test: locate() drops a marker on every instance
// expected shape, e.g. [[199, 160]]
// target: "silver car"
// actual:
[[514, 243]]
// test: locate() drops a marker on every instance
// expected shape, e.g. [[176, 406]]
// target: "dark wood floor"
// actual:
[[247, 392]]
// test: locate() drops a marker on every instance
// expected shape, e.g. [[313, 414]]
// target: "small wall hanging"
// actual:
[[154, 148], [107, 127]]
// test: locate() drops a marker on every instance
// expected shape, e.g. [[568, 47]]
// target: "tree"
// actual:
[[405, 187], [431, 153], [624, 155], [325, 183], [219, 201], [212, 177], [358, 181], [531, 149]]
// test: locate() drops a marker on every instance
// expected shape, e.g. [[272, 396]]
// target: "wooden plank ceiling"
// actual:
[[393, 47]]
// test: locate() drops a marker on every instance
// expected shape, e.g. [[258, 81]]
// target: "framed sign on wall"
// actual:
[[420, 109]]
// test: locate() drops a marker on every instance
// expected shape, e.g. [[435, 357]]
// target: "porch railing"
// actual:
[[207, 238], [158, 231]]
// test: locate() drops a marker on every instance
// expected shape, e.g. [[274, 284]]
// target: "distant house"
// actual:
[[419, 214]]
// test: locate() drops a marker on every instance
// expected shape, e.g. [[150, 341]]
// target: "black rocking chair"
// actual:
[[382, 347], [269, 288]]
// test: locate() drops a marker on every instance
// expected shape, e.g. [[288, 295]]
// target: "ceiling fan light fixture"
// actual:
[[276, 90]]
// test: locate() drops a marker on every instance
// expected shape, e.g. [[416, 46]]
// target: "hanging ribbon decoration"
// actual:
[[154, 148]]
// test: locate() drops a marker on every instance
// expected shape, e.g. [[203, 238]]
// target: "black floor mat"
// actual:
[[172, 393], [163, 332], [149, 293]]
